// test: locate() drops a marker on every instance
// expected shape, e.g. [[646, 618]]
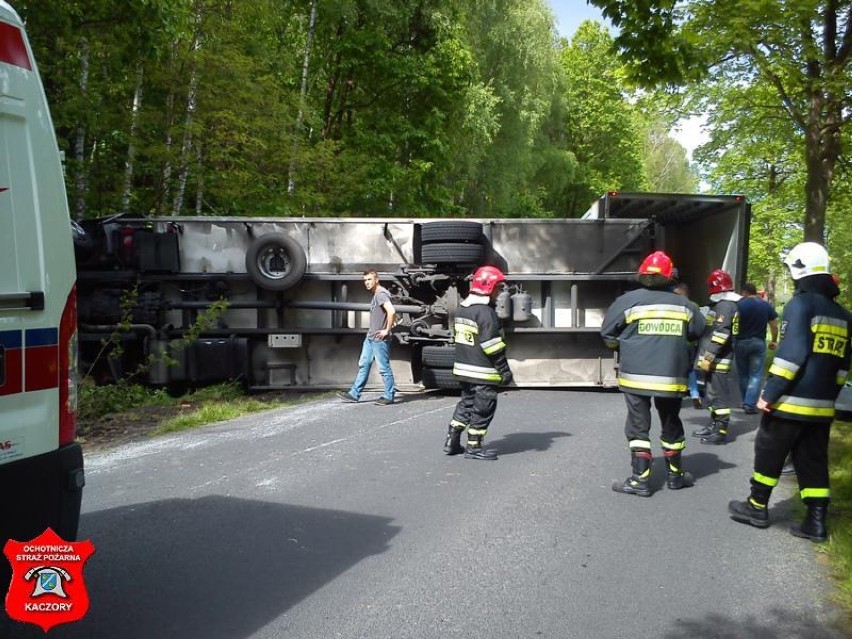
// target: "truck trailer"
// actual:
[[277, 303]]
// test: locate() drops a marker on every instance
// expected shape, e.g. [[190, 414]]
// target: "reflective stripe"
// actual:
[[765, 480], [637, 444], [823, 493], [494, 345], [756, 504], [652, 382], [720, 411], [723, 365], [457, 424], [477, 432], [673, 445], [657, 311], [611, 343], [805, 406], [784, 368], [830, 325], [476, 372], [841, 377], [722, 335]]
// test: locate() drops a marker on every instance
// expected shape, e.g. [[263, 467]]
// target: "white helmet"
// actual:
[[807, 258]]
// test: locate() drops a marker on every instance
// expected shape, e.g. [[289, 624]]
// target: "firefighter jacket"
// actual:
[[812, 360], [651, 328], [480, 356], [723, 324]]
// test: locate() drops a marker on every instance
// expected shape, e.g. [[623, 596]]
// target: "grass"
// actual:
[[207, 412], [839, 547]]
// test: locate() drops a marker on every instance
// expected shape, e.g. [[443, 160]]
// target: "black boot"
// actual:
[[719, 435], [813, 526], [704, 431], [749, 512], [452, 444], [677, 477], [639, 482], [475, 450]]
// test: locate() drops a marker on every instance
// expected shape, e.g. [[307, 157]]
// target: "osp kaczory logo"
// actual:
[[47, 587]]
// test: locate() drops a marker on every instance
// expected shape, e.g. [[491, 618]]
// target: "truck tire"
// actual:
[[438, 356], [442, 378], [455, 231], [275, 262], [452, 253]]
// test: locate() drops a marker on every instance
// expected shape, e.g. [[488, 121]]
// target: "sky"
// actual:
[[569, 15]]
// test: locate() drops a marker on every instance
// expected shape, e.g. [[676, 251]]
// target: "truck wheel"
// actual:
[[438, 356], [275, 262], [442, 378], [452, 253], [454, 231]]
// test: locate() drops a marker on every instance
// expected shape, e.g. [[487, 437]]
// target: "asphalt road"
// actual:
[[337, 520]]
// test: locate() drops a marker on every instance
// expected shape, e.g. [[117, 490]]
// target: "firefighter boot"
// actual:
[[813, 526], [452, 445], [719, 435], [677, 477], [475, 448], [705, 430], [750, 512], [639, 482]]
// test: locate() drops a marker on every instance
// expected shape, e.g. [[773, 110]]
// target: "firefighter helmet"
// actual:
[[719, 282], [657, 263], [486, 279], [807, 258]]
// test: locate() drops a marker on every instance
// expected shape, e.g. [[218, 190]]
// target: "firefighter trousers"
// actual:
[[475, 409], [808, 444], [722, 392], [637, 428]]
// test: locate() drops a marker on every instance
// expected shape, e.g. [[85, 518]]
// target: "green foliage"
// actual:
[[209, 412], [839, 548], [94, 401]]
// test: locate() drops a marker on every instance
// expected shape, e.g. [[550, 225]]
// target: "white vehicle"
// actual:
[[41, 465]]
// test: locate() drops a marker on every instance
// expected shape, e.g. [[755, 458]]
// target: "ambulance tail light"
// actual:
[[68, 371]]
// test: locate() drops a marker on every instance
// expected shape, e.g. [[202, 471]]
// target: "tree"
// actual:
[[800, 48]]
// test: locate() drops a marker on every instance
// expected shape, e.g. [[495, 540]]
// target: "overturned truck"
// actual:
[[278, 303]]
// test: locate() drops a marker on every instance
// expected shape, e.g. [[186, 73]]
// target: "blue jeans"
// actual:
[[380, 351], [749, 354]]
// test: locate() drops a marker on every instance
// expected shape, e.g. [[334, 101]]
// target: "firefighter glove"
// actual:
[[506, 377]]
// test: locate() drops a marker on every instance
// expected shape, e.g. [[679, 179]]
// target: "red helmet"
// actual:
[[719, 282], [486, 279], [657, 263]]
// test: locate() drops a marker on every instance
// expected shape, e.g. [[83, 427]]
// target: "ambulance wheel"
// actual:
[[275, 262]]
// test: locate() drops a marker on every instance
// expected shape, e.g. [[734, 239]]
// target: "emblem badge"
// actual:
[[47, 587]]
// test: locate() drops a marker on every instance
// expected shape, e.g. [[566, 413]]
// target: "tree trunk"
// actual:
[[822, 148], [81, 182], [131, 146], [303, 92], [191, 105]]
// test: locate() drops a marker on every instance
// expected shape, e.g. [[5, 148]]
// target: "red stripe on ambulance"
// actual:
[[13, 363], [41, 359]]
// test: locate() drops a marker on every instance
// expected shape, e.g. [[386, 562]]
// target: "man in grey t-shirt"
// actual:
[[376, 344]]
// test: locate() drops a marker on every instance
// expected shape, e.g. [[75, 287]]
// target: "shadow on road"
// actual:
[[524, 442], [215, 567], [778, 624]]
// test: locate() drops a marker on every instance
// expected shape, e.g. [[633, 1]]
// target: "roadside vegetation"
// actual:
[[839, 547]]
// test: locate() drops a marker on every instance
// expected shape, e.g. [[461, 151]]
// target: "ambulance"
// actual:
[[41, 464]]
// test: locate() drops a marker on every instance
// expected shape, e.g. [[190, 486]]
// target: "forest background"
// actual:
[[451, 108]]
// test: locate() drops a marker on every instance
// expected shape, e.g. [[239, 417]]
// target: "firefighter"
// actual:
[[716, 358], [809, 369], [480, 364], [651, 327]]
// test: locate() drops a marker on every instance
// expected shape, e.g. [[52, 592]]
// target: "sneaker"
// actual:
[[747, 513], [750, 410], [346, 397], [383, 401]]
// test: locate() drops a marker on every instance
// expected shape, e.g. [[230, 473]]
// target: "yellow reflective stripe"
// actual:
[[477, 432], [756, 504], [781, 372], [842, 376], [718, 340], [720, 411], [673, 445], [457, 424], [476, 372], [611, 343], [657, 311], [723, 365], [805, 406], [644, 444], [493, 346], [674, 388], [830, 325], [824, 493], [765, 480]]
